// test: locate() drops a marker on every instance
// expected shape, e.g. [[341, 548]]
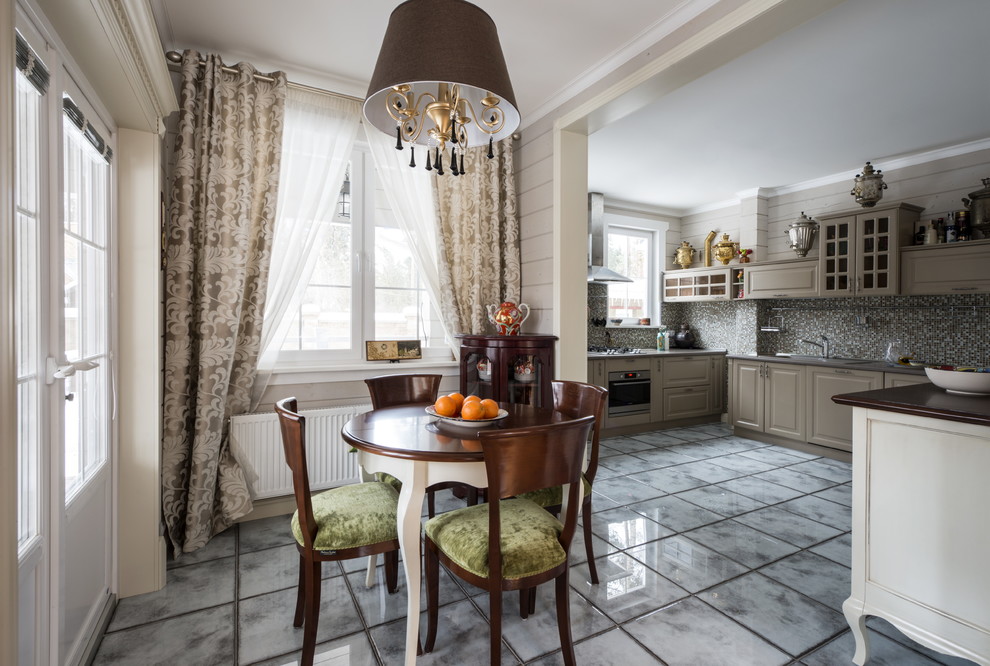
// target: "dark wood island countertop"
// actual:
[[923, 400]]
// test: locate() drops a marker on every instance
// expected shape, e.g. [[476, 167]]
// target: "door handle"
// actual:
[[56, 371]]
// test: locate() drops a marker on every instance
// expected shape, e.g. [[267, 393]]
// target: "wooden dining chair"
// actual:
[[576, 400], [512, 543], [342, 523], [396, 390]]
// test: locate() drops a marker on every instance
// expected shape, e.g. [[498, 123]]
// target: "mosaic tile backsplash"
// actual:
[[952, 330]]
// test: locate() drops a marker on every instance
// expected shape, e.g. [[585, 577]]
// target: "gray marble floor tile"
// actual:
[[673, 512], [779, 614], [624, 490], [628, 444], [838, 549], [356, 649], [379, 607], [814, 576], [624, 528], [598, 501], [222, 545], [669, 480], [877, 626], [823, 470], [627, 588], [688, 434], [785, 476], [788, 526], [604, 472], [673, 635], [657, 438], [265, 622], [462, 633], [740, 463], [579, 553], [720, 500], [707, 471], [273, 569], [265, 533], [612, 647], [701, 450], [689, 564], [759, 489], [838, 463], [840, 494], [732, 444], [663, 457], [537, 635], [190, 588], [822, 510], [202, 637], [775, 455], [625, 464], [741, 543], [883, 652]]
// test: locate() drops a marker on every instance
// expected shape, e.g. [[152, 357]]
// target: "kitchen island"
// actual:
[[921, 529]]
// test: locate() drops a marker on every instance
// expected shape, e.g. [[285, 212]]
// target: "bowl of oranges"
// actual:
[[466, 412]]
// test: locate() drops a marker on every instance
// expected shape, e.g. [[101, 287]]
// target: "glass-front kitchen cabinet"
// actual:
[[515, 369]]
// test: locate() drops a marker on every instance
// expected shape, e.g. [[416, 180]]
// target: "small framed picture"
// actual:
[[393, 350]]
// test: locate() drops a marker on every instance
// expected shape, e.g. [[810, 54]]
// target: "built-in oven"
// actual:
[[628, 392]]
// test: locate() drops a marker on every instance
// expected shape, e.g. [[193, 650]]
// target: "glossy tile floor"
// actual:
[[712, 549]]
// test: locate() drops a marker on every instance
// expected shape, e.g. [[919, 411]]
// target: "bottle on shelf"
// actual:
[[931, 234], [662, 338], [951, 230], [963, 232], [919, 238], [941, 230]]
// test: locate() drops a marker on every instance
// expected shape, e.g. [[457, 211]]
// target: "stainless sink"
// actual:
[[833, 359]]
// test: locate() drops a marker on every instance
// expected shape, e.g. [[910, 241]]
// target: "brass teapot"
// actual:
[[725, 250], [684, 256]]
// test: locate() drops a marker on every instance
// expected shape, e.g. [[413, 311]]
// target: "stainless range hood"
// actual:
[[597, 272]]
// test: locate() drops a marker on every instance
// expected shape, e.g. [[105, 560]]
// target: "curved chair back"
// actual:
[[392, 390], [577, 399], [293, 427]]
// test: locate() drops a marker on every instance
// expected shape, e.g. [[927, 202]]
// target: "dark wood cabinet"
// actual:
[[515, 369]]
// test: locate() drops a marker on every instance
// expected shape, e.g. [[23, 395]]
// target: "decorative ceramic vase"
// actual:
[[524, 370], [484, 369], [507, 317], [684, 338]]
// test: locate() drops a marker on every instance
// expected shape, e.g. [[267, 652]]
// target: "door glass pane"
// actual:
[[629, 255], [401, 311], [27, 306], [85, 314]]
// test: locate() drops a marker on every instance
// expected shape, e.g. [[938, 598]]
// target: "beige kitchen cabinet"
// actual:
[[596, 373], [830, 424], [895, 379], [690, 386], [694, 284], [859, 252], [950, 268], [781, 279], [768, 397]]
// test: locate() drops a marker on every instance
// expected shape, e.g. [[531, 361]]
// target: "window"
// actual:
[[632, 253], [365, 285]]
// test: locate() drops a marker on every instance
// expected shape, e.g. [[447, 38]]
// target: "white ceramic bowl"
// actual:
[[458, 422], [962, 382]]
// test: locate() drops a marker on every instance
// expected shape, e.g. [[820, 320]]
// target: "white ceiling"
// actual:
[[869, 79]]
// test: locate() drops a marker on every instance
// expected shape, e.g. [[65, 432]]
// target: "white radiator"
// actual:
[[256, 443]]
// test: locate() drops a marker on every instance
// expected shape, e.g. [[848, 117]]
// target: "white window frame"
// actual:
[[657, 230], [365, 204]]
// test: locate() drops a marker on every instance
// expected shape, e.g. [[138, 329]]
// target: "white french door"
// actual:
[[63, 183]]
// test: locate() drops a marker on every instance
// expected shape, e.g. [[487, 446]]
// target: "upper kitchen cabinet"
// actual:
[[952, 268], [797, 278], [697, 284], [858, 253]]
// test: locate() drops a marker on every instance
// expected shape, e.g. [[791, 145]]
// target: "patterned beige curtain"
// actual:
[[479, 239], [219, 230]]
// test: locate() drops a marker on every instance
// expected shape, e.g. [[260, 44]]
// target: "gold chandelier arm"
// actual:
[[487, 126]]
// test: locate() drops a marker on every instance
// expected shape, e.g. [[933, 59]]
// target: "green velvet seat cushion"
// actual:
[[350, 516], [553, 496], [390, 480], [529, 538]]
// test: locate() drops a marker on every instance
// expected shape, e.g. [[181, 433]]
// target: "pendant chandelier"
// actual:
[[441, 82]]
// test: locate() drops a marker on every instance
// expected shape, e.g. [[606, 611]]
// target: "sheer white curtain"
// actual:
[[316, 145], [410, 195]]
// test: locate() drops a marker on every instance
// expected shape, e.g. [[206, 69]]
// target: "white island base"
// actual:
[[921, 530]]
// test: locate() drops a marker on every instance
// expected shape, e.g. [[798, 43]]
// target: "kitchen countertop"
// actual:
[[853, 364], [923, 400], [649, 353]]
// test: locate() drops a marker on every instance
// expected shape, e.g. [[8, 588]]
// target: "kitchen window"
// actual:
[[365, 285], [633, 252]]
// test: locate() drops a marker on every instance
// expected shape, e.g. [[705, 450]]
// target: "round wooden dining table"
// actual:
[[420, 450]]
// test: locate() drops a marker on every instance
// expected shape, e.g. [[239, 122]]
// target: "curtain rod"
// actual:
[[174, 59]]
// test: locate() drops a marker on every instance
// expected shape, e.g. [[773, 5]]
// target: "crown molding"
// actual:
[[132, 34], [621, 206], [676, 18]]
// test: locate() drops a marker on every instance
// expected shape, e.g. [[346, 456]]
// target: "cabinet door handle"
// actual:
[[964, 288], [843, 372]]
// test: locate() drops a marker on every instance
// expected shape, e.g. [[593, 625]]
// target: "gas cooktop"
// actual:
[[595, 350]]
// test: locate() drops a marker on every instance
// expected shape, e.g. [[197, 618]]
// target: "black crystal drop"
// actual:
[[398, 137], [491, 144], [453, 161], [429, 162], [412, 156], [462, 163], [439, 163]]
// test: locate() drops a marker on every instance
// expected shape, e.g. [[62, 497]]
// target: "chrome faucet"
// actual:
[[824, 344]]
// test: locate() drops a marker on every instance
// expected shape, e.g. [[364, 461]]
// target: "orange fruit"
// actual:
[[471, 398], [491, 408], [445, 406], [472, 411], [457, 398]]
